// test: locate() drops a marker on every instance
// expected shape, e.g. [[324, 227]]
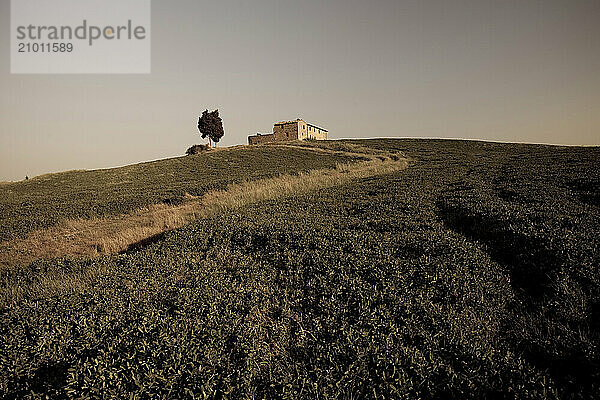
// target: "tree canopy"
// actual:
[[211, 125]]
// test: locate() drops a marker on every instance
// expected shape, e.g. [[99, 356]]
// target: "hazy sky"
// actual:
[[504, 70]]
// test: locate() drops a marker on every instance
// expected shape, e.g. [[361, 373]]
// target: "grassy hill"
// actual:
[[46, 200], [474, 273]]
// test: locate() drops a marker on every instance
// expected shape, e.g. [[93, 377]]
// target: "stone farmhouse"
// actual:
[[290, 130]]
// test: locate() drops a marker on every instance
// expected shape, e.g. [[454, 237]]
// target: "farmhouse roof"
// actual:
[[298, 120]]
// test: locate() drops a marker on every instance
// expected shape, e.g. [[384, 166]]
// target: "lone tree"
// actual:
[[210, 125]]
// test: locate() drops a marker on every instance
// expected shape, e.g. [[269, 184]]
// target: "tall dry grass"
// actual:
[[92, 237]]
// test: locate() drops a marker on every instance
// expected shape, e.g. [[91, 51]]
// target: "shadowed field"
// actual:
[[474, 273]]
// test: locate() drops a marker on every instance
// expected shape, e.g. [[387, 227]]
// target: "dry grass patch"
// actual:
[[290, 185], [93, 237]]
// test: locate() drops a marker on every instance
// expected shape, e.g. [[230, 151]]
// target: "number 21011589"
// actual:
[[45, 47]]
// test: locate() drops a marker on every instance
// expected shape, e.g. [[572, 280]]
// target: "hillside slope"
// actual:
[[474, 273], [46, 200]]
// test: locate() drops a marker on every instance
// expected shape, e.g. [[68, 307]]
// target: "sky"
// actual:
[[503, 70]]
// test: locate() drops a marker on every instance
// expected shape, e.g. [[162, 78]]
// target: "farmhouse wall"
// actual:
[[286, 131], [261, 138]]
